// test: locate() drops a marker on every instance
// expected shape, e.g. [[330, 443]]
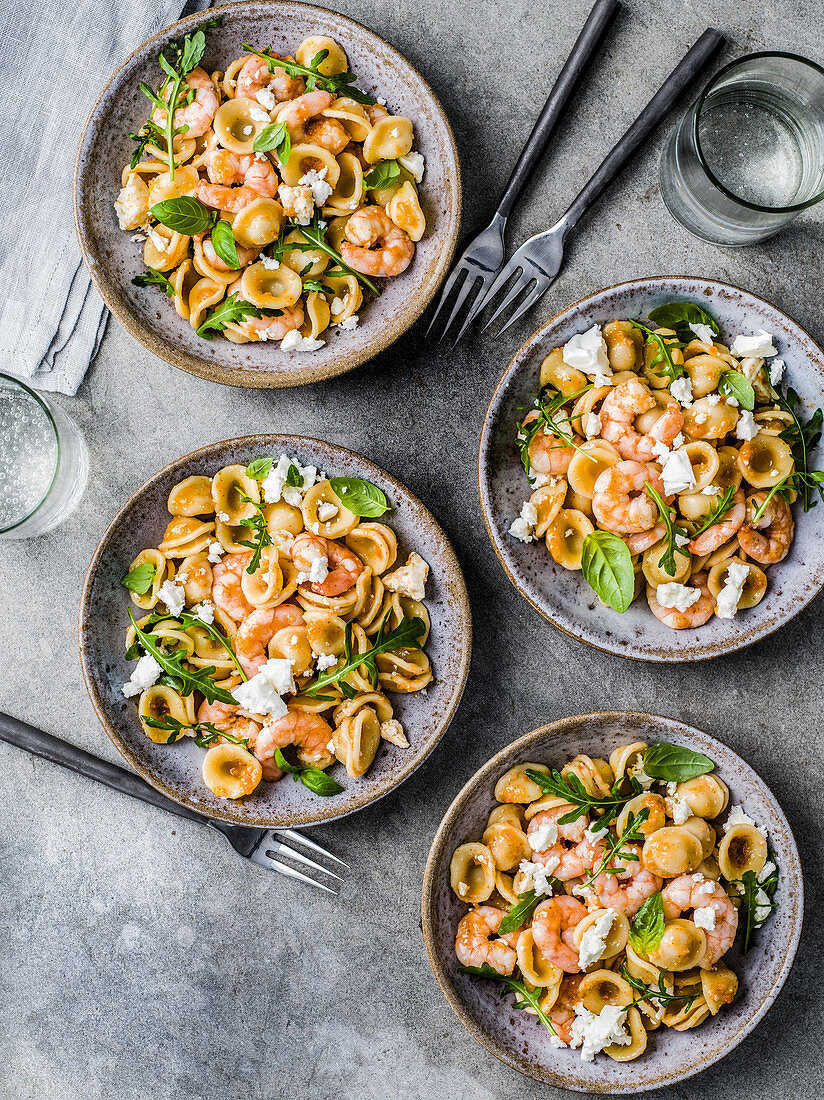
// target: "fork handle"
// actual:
[[40, 743], [587, 45], [679, 80]]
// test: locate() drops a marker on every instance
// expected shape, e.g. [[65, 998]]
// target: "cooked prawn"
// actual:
[[254, 76], [272, 328], [244, 255], [298, 111], [562, 1014], [685, 893], [226, 718], [696, 615], [226, 591], [620, 499], [642, 540], [308, 732], [372, 226], [344, 566], [722, 532], [548, 454], [328, 133], [476, 942], [257, 630], [770, 539], [627, 890], [231, 199], [553, 925], [618, 411], [255, 171], [200, 113], [566, 856]]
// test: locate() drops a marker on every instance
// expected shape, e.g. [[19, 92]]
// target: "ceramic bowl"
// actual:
[[176, 769], [564, 597], [113, 258], [514, 1036]]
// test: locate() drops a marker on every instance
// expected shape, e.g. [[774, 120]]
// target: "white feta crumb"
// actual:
[[556, 1041], [714, 399], [710, 490], [173, 596], [776, 370], [327, 511], [144, 674], [414, 164], [316, 180], [205, 611], [660, 450], [350, 323], [223, 517], [537, 481], [256, 115], [746, 428], [138, 237], [729, 597], [330, 746], [293, 341], [523, 528], [159, 241], [325, 661], [270, 263], [637, 772], [678, 441], [537, 875], [336, 306], [262, 693], [266, 98], [395, 132], [275, 485], [705, 917], [681, 390], [672, 788], [703, 332], [736, 816], [681, 540], [706, 887], [587, 352], [380, 100], [677, 473], [733, 401], [594, 940], [215, 553], [679, 596], [763, 907], [760, 345], [681, 811], [592, 425], [410, 579], [765, 871], [594, 1032], [542, 837], [319, 569]]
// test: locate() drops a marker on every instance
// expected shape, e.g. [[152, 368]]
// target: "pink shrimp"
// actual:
[[226, 718], [553, 925], [695, 615], [272, 328], [244, 255], [618, 412], [547, 453], [685, 893], [344, 566], [563, 1014], [568, 854], [328, 133], [226, 590], [308, 732], [225, 167], [254, 76], [298, 111], [476, 942], [642, 540], [257, 630], [198, 116], [231, 199], [627, 890], [769, 540], [371, 226], [620, 499], [722, 532]]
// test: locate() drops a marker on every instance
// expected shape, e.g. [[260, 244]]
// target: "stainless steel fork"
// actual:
[[261, 846], [538, 261], [483, 256]]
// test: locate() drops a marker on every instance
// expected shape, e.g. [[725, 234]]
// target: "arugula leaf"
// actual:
[[663, 355], [647, 928], [529, 998], [614, 847], [338, 83], [755, 896], [313, 284], [148, 132], [260, 533], [360, 496], [667, 559], [208, 733], [186, 681], [185, 214], [188, 618], [315, 235], [381, 175], [314, 778], [260, 468], [223, 242], [274, 138], [140, 579], [521, 912], [606, 564], [548, 403], [231, 309], [803, 437], [154, 278], [674, 763], [661, 994], [571, 789], [733, 384], [403, 636], [680, 315], [722, 507]]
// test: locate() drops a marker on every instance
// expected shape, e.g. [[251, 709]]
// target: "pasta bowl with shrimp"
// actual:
[[649, 467], [267, 196], [612, 902], [274, 631]]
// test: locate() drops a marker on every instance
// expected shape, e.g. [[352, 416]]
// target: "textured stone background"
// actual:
[[140, 959]]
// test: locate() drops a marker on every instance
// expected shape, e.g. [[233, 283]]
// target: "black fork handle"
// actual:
[[680, 79], [587, 45], [39, 743]]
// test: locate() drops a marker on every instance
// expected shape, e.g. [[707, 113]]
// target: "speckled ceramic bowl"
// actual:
[[564, 597], [516, 1037], [113, 258], [175, 769]]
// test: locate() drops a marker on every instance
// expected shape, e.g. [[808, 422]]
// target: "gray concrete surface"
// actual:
[[140, 960]]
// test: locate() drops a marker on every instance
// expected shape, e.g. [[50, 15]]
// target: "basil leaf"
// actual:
[[223, 242], [260, 468], [606, 564], [154, 278], [680, 315], [274, 137], [319, 782], [381, 175], [140, 579], [360, 496], [294, 477], [734, 384], [185, 214], [520, 913], [284, 765], [674, 763], [647, 928]]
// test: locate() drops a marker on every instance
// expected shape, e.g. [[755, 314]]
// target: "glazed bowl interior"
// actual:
[[176, 769], [113, 259], [514, 1036], [564, 597]]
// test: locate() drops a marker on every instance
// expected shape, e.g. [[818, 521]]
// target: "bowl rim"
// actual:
[[326, 808], [247, 377], [512, 367], [439, 843]]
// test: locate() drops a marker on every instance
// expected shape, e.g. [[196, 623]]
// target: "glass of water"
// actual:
[[749, 156], [44, 464]]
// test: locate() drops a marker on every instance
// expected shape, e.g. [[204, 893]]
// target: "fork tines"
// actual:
[[270, 846]]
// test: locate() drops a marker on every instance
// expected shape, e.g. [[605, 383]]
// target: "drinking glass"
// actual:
[[44, 464], [749, 155]]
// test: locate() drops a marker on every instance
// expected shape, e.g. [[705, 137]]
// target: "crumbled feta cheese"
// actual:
[[293, 341], [637, 772], [537, 481], [336, 306], [681, 811], [262, 693], [587, 352], [678, 441], [763, 906], [537, 875], [660, 450], [380, 100], [275, 485], [158, 240], [714, 399], [733, 401], [706, 887], [544, 836], [776, 371], [297, 202], [223, 517], [765, 871], [138, 237], [681, 390], [330, 745], [350, 323], [414, 164], [316, 180], [728, 598], [410, 579], [325, 661], [205, 611], [327, 511], [703, 332], [523, 528], [173, 596], [710, 491], [144, 674], [256, 115], [679, 596], [215, 553], [319, 569], [594, 940], [736, 816], [592, 425], [266, 98], [677, 473], [746, 428], [594, 1032], [761, 345], [672, 788], [681, 540], [704, 917], [395, 132], [270, 263]]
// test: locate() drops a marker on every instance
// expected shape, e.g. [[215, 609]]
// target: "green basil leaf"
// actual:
[[260, 468], [319, 782], [674, 763], [274, 137], [284, 765], [520, 913], [680, 315], [223, 242], [185, 214], [294, 477], [382, 175], [647, 928], [360, 496], [734, 384], [606, 564], [140, 579]]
